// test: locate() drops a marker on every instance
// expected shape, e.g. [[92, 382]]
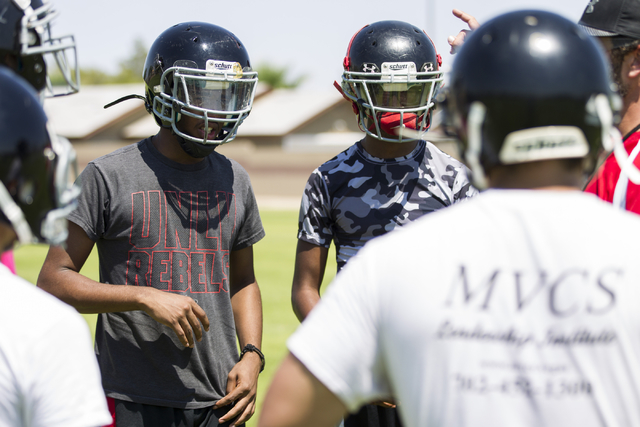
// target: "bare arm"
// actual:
[[242, 381], [311, 261], [297, 399], [60, 276]]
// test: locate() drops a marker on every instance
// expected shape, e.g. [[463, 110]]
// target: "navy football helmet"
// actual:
[[28, 47], [36, 167], [391, 73], [203, 71], [531, 85]]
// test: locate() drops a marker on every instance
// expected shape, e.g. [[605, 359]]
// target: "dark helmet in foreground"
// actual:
[[28, 46], [36, 194], [530, 85], [203, 71], [391, 72]]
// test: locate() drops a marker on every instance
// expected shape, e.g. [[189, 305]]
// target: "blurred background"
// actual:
[[308, 39], [299, 120]]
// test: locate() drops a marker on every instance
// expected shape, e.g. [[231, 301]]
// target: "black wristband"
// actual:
[[252, 348]]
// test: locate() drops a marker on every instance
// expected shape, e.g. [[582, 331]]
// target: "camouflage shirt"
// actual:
[[355, 197]]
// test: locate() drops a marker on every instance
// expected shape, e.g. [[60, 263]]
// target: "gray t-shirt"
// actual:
[[171, 226]]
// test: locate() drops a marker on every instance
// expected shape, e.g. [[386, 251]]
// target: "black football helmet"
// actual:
[[530, 85], [36, 193], [391, 72], [203, 71], [28, 47]]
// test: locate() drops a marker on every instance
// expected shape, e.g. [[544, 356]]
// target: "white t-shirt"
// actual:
[[48, 371], [516, 308]]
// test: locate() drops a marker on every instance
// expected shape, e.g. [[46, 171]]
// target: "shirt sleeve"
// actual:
[[453, 175], [462, 188], [339, 343], [314, 221], [66, 385], [93, 203], [252, 230]]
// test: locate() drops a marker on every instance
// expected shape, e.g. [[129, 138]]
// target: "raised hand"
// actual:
[[457, 41]]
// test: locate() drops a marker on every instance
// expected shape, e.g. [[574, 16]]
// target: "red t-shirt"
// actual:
[[603, 183]]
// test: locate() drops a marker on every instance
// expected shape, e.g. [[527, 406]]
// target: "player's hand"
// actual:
[[457, 41], [179, 312], [242, 387]]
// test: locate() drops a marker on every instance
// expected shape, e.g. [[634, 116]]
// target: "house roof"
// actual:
[[276, 113], [283, 110], [80, 115]]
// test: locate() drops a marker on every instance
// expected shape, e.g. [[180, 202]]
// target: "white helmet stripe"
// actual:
[[477, 112]]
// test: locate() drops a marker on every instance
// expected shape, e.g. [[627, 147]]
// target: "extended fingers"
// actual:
[[243, 409], [186, 321], [231, 396], [246, 414], [236, 390], [223, 402], [466, 18], [201, 315], [184, 332], [187, 326], [457, 41], [194, 324]]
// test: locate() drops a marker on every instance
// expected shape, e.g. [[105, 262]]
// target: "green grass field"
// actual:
[[274, 257]]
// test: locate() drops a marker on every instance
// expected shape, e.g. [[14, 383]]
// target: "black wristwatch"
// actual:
[[254, 349]]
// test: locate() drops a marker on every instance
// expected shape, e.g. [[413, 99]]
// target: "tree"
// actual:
[[276, 77], [130, 70], [92, 76]]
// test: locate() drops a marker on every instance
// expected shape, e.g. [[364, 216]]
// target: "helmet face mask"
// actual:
[[201, 71], [223, 97], [36, 192], [53, 228], [406, 98], [391, 75], [41, 55]]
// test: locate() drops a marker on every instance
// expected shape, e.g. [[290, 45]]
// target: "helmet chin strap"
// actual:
[[477, 113], [390, 122], [194, 149], [402, 124]]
